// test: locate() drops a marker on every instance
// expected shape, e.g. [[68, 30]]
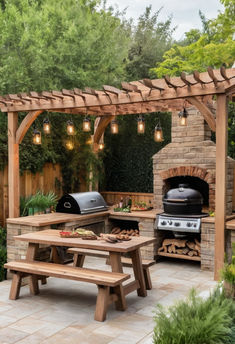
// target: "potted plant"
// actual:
[[39, 203]]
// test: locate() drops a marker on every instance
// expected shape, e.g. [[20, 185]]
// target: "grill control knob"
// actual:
[[177, 224], [170, 222], [195, 225], [189, 224], [163, 223]]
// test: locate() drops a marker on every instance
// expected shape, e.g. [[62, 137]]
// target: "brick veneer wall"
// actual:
[[191, 153]]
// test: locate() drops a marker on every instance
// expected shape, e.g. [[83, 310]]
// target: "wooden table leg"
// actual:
[[138, 272], [78, 260], [31, 251], [115, 261]]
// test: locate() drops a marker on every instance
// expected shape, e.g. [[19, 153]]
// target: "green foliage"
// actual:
[[3, 253], [44, 46], [150, 39], [213, 47], [228, 273], [196, 321], [39, 201], [128, 156]]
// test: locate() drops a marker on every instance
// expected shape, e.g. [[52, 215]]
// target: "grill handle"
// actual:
[[177, 200], [67, 205], [93, 200]]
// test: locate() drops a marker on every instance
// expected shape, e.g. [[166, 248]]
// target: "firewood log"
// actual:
[[190, 245], [163, 248], [192, 253], [197, 248], [185, 250], [175, 242], [179, 251], [197, 242], [171, 249]]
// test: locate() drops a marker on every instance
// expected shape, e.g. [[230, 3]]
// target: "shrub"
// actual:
[[38, 202], [196, 321], [3, 253]]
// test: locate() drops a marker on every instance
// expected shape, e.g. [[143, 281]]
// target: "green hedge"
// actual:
[[3, 253], [128, 155]]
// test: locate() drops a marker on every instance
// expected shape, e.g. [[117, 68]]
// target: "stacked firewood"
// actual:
[[181, 246], [130, 232]]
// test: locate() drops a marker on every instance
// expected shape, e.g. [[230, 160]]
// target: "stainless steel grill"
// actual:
[[81, 203]]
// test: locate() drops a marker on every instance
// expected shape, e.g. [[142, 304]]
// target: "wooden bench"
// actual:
[[80, 253], [109, 283]]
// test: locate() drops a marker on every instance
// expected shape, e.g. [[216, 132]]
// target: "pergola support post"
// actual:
[[13, 166], [220, 191]]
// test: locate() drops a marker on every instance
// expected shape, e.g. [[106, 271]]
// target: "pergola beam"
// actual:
[[220, 190], [205, 111]]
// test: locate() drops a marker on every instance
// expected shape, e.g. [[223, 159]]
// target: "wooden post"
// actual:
[[220, 190], [13, 165]]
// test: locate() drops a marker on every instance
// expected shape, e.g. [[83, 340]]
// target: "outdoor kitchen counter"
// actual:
[[53, 218]]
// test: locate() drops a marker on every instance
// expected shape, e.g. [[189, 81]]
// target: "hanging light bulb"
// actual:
[[158, 133], [46, 126], [114, 126], [37, 140], [70, 128], [140, 125], [101, 146], [69, 144], [89, 141], [86, 125], [183, 117]]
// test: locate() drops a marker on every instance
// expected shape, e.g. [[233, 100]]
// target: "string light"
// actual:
[[140, 125], [114, 126], [70, 128], [69, 144], [86, 125], [37, 140], [46, 126], [183, 117], [158, 133], [101, 146]]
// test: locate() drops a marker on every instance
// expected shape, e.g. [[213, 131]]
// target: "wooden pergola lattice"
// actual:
[[143, 96]]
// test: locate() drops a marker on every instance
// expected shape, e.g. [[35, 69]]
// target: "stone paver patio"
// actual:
[[64, 310]]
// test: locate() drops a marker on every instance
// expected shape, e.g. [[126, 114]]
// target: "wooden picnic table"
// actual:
[[52, 238]]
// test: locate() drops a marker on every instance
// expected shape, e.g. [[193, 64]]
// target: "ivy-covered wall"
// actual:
[[128, 155]]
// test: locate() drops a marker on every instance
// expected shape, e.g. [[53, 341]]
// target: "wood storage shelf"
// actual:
[[180, 256]]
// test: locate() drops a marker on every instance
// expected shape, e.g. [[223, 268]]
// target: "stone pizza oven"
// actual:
[[191, 158]]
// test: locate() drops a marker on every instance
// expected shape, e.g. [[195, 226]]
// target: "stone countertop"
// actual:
[[230, 224]]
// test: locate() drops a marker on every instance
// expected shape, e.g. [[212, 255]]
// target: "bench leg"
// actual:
[[78, 260], [15, 286], [120, 304], [147, 278], [102, 303], [33, 284], [43, 279]]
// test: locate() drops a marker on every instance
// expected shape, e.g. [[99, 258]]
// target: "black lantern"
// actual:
[[183, 117], [37, 140], [70, 128], [46, 126], [86, 125], [114, 126], [140, 125], [158, 133]]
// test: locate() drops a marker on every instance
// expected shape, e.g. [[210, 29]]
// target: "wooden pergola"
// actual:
[[201, 90]]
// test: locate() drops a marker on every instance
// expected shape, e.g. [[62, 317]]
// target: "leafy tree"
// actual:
[[214, 46], [49, 45], [150, 39]]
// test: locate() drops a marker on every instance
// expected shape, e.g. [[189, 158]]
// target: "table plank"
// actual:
[[52, 237]]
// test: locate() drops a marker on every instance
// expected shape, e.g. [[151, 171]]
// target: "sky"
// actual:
[[184, 12]]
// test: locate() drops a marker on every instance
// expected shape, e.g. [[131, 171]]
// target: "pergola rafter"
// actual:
[[142, 96]]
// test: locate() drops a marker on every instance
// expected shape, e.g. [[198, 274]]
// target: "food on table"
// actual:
[[65, 234], [116, 230], [141, 206]]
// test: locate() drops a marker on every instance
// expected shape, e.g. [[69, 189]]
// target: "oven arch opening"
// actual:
[[193, 182]]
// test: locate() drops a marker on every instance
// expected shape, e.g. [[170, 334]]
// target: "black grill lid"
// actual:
[[183, 194], [81, 203]]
